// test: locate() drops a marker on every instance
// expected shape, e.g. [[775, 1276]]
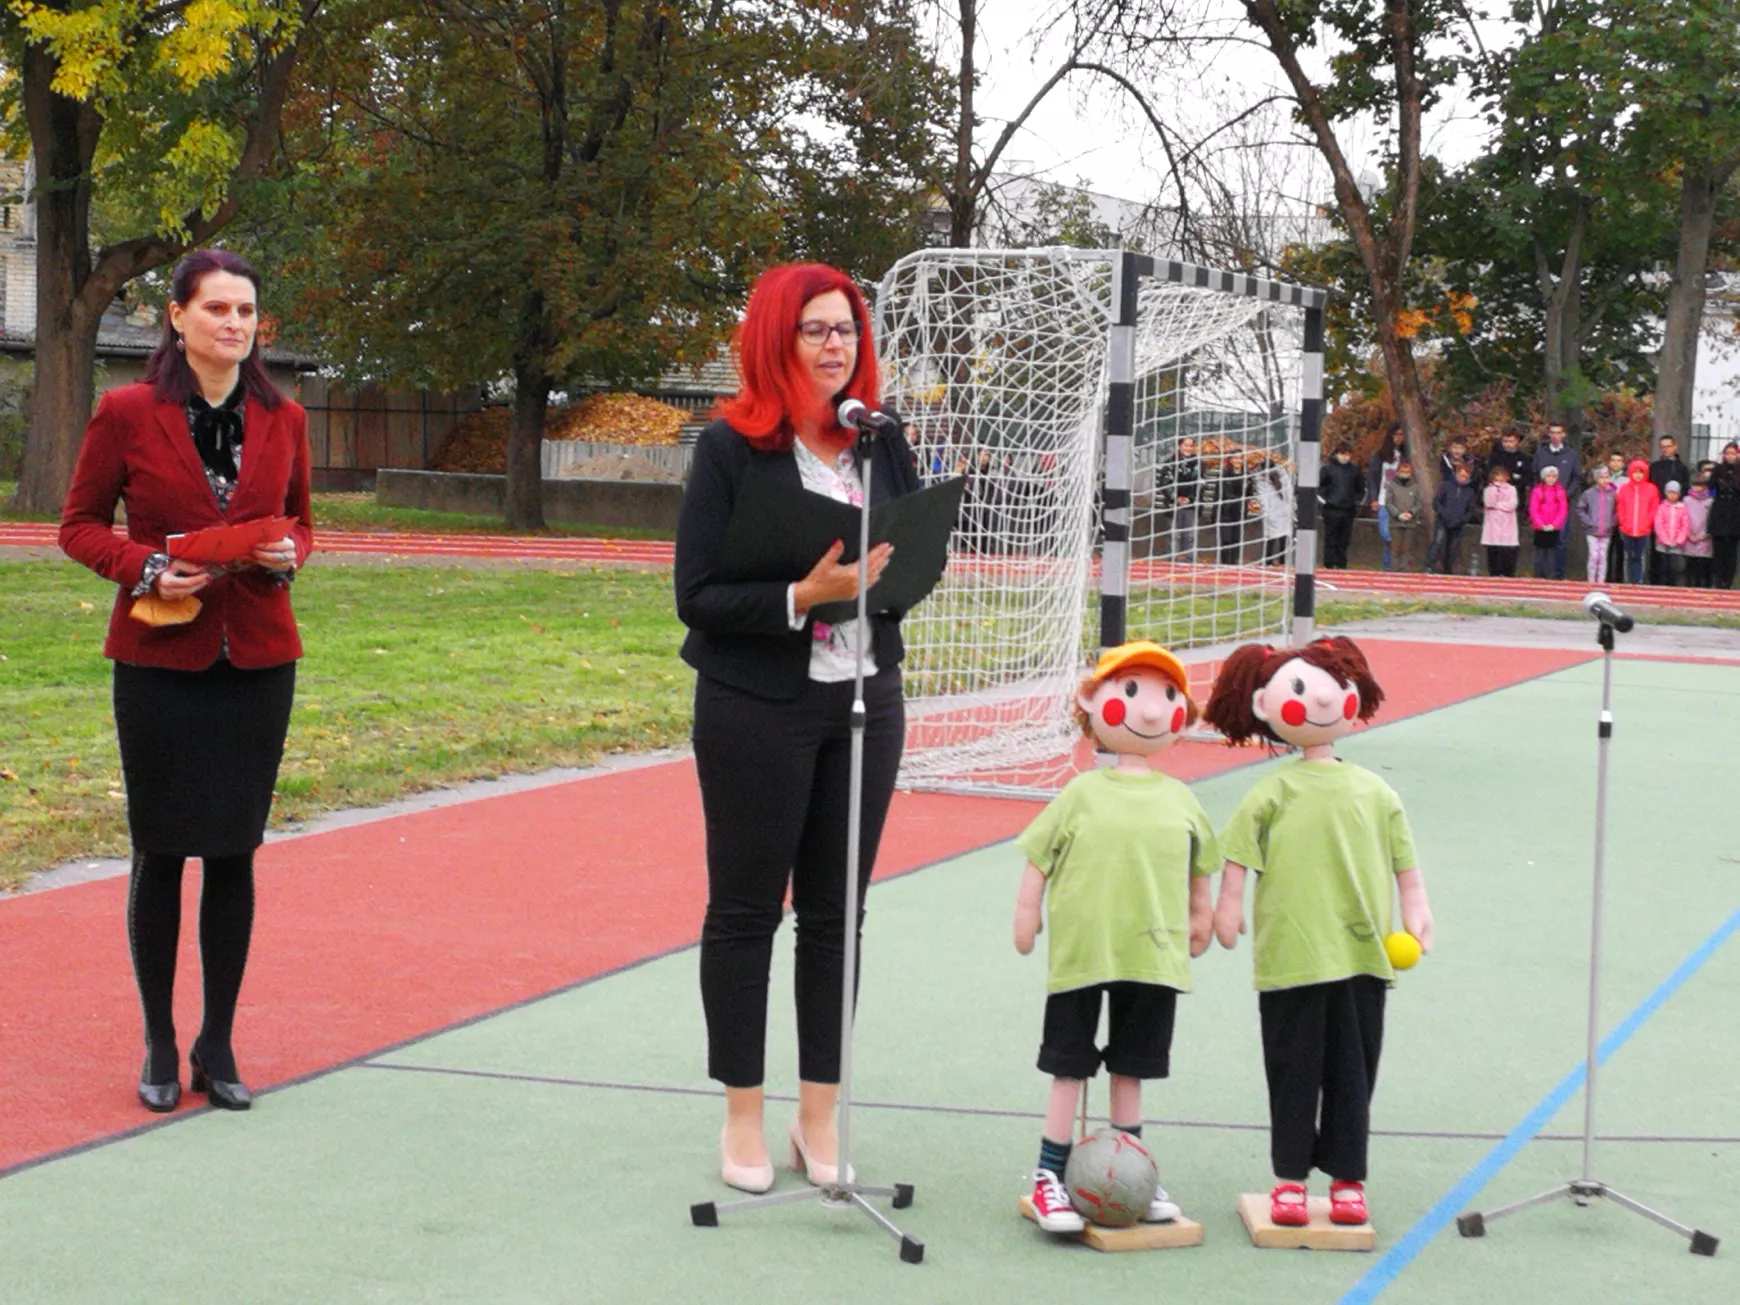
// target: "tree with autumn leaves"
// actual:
[[564, 194], [163, 113]]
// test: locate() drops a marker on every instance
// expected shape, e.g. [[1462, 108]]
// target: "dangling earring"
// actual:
[[180, 344]]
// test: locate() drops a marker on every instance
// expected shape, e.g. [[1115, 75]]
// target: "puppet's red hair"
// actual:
[[774, 392], [1254, 665]]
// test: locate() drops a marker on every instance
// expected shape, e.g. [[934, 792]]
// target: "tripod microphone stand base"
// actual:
[[839, 1196], [1588, 1188], [1585, 1191]]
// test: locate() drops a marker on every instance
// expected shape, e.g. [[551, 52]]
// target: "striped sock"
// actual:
[[1053, 1155]]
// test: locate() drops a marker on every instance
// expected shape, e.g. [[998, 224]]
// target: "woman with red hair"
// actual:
[[773, 700]]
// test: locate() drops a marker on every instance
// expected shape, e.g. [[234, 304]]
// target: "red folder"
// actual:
[[219, 544]]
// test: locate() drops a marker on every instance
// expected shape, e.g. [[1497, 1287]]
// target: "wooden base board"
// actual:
[[1140, 1237], [1318, 1235]]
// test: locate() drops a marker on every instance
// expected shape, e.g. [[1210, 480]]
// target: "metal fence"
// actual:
[[354, 433]]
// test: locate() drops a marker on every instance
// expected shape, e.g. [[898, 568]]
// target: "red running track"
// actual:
[[1208, 577], [376, 934]]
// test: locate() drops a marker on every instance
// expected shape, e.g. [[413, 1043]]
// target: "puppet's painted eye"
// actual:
[[1131, 689], [1298, 686], [1171, 694]]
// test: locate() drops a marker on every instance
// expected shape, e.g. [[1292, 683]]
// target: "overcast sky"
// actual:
[[1088, 129]]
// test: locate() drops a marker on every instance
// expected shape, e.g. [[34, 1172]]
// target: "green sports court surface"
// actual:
[[549, 1151]]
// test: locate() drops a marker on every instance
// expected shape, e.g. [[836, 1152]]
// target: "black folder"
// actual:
[[778, 532]]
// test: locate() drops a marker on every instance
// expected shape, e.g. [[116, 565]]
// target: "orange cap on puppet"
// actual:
[[1138, 652], [1142, 652]]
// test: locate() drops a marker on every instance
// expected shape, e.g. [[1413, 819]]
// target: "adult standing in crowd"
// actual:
[[1341, 492], [1665, 469], [1725, 517], [1274, 487], [1178, 489], [1514, 459], [1378, 477], [1233, 506], [773, 704], [1554, 451], [202, 699]]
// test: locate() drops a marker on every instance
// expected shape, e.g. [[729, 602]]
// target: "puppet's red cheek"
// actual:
[[1177, 719], [1113, 711], [1293, 712], [1350, 708]]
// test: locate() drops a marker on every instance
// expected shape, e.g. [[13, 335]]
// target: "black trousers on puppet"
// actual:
[[226, 925], [1320, 1054], [775, 783]]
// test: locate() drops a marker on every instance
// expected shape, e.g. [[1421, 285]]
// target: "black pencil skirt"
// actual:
[[200, 752]]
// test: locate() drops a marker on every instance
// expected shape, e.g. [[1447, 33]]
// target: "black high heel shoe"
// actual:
[[159, 1098], [222, 1093]]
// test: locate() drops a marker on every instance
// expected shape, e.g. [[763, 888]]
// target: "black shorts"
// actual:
[[1139, 1036]]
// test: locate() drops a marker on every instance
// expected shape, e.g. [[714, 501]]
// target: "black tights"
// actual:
[[226, 922]]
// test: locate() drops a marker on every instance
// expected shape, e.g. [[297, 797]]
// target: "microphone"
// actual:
[[854, 414], [1600, 606]]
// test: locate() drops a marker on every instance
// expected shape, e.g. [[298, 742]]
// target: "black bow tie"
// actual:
[[217, 432]]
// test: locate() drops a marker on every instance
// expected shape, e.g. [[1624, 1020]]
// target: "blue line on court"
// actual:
[[1433, 1222]]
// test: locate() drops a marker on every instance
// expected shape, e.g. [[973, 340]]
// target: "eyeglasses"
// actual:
[[815, 332]]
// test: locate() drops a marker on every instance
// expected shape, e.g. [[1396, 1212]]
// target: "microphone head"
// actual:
[[1594, 599], [850, 412]]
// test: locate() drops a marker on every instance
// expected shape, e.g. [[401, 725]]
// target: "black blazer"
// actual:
[[738, 632]]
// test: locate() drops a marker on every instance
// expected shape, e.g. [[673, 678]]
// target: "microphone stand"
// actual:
[[846, 1192], [1589, 1188]]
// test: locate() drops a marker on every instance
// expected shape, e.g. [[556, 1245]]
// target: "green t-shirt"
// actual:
[[1118, 852], [1327, 839]]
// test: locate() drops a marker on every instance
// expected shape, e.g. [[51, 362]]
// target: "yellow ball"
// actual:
[[1403, 949]]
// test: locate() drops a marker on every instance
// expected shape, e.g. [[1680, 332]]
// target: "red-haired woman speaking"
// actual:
[[773, 698]]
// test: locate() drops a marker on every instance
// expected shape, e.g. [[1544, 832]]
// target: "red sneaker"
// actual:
[[1347, 1202], [1051, 1207], [1287, 1208]]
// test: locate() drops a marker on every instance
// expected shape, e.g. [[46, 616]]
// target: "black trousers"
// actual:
[[1337, 531], [1501, 559], [1321, 1045], [774, 791], [1726, 553]]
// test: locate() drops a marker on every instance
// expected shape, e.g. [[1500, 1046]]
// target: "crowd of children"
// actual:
[[1645, 522]]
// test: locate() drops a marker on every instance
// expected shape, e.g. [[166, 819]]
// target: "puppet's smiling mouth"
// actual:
[[1320, 724], [1138, 733]]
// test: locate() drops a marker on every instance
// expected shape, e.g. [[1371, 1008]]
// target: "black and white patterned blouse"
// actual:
[[217, 433]]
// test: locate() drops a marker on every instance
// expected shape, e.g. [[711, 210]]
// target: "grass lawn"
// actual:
[[361, 512], [413, 678]]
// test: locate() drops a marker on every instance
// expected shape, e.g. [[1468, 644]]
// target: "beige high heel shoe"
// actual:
[[754, 1179], [819, 1175]]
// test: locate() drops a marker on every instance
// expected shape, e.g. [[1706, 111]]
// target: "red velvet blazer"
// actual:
[[140, 451]]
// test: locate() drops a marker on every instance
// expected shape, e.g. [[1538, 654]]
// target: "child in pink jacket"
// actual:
[[1548, 510], [1700, 548], [1673, 527], [1498, 528]]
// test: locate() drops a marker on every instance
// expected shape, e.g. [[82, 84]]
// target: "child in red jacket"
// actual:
[[1638, 500]]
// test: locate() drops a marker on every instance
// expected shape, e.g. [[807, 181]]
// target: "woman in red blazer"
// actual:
[[205, 658]]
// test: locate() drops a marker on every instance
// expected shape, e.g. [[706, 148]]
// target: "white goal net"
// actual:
[[1001, 362]]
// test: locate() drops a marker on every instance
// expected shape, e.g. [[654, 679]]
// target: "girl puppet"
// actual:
[[1325, 838], [1126, 853]]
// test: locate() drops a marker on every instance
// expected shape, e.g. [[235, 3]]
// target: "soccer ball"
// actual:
[[1111, 1178]]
